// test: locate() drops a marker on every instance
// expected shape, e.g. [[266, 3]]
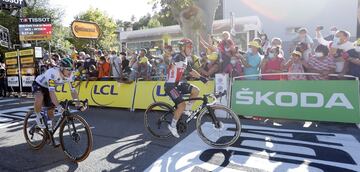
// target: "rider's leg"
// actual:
[[193, 94], [51, 112], [39, 97], [38, 102], [177, 114]]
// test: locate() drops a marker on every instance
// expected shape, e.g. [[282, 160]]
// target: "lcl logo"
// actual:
[[98, 94], [158, 91], [60, 88], [104, 90]]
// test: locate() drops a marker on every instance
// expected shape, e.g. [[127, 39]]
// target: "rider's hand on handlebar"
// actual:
[[60, 109], [82, 109]]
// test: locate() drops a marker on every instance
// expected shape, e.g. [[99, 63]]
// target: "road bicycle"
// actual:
[[217, 125], [74, 132]]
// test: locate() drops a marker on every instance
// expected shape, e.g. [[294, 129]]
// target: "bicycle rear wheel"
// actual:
[[223, 135], [156, 118], [75, 138], [34, 136]]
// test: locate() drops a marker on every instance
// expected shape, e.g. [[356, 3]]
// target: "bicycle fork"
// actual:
[[213, 117]]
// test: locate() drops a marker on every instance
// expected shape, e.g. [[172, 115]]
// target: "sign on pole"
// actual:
[[38, 52], [86, 30], [32, 29], [4, 37]]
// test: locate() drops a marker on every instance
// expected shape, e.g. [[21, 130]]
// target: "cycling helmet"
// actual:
[[67, 63], [185, 41]]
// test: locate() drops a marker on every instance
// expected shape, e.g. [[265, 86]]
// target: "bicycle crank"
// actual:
[[181, 127]]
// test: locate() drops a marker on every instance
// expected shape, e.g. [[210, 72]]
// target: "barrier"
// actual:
[[302, 100], [101, 93], [148, 92], [115, 94]]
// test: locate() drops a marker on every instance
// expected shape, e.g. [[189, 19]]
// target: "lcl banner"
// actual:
[[336, 101]]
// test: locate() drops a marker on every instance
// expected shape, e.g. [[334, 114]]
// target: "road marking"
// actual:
[[8, 100], [266, 149]]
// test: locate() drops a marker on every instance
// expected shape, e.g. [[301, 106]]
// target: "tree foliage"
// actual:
[[195, 17], [35, 8]]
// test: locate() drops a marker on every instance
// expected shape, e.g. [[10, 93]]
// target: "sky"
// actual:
[[117, 9]]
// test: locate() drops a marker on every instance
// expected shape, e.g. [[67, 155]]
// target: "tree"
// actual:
[[107, 40], [194, 16], [35, 8], [154, 22], [142, 22]]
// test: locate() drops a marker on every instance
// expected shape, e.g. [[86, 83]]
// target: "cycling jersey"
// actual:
[[177, 67], [52, 78]]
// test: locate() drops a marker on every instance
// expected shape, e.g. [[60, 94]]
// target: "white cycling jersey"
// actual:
[[52, 78], [177, 67]]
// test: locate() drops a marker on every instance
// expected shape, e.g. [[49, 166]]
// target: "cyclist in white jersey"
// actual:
[[174, 88], [44, 89]]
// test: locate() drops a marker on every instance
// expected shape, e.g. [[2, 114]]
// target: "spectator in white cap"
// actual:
[[276, 42]]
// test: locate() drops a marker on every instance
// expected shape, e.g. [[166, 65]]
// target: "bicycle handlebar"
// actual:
[[216, 95], [66, 103]]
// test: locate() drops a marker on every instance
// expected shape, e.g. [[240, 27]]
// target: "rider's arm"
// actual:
[[74, 93], [195, 74]]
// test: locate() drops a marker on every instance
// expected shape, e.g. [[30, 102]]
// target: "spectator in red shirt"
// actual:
[[321, 63], [234, 69], [103, 68], [272, 63]]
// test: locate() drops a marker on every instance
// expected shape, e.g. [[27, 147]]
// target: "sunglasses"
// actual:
[[68, 68]]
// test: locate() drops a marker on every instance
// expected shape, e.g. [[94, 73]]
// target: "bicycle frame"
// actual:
[[201, 108], [64, 115]]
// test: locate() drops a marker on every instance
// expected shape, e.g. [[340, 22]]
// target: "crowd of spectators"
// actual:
[[263, 59]]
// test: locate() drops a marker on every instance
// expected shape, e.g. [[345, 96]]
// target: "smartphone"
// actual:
[[320, 27]]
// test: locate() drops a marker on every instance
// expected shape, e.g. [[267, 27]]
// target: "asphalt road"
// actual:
[[120, 142]]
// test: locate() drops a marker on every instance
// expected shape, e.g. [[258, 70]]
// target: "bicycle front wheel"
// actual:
[[219, 130], [156, 119], [34, 136], [75, 138]]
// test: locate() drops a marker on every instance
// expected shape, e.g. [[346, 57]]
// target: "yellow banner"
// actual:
[[28, 52], [12, 71], [114, 94], [27, 60], [101, 93], [88, 30], [12, 61], [148, 92], [11, 54], [27, 71]]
